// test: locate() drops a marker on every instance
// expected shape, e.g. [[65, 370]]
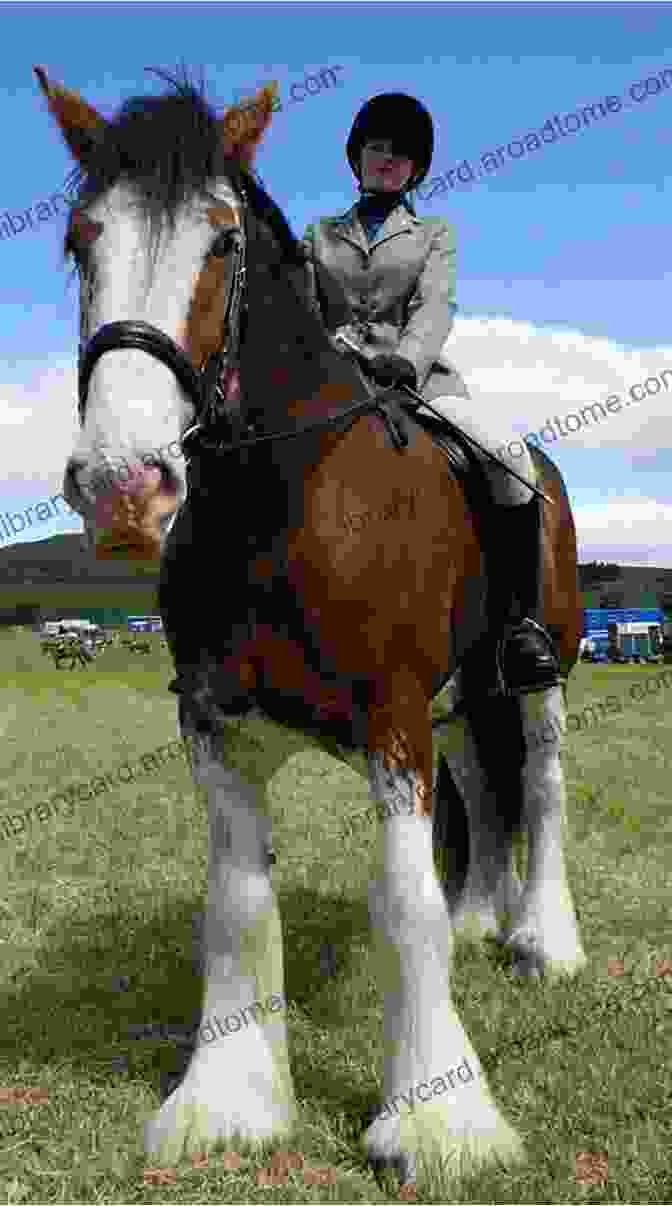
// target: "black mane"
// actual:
[[168, 147]]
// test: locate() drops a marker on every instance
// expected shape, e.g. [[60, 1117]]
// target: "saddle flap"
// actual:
[[460, 454]]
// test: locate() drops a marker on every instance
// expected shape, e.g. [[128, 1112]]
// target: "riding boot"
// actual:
[[525, 655]]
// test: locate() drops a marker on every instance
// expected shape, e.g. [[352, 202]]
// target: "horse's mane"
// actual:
[[169, 148]]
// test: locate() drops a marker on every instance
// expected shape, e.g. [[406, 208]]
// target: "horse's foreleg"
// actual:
[[239, 1081], [544, 936], [437, 1105]]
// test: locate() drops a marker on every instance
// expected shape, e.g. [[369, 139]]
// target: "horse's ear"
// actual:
[[242, 126], [81, 126]]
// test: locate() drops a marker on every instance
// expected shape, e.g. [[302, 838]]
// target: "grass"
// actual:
[[96, 934]]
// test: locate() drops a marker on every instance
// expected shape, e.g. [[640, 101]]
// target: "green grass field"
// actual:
[[96, 932]]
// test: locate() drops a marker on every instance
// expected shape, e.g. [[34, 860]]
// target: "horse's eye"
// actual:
[[80, 259], [223, 244], [82, 233]]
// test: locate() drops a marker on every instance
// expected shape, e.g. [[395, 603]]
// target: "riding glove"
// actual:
[[389, 369]]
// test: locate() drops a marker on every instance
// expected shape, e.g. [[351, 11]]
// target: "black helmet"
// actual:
[[399, 117]]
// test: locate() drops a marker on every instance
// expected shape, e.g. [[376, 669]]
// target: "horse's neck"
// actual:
[[290, 367]]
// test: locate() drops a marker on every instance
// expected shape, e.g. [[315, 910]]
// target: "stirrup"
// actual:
[[526, 659]]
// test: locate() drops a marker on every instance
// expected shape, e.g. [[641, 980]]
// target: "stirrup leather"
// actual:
[[526, 659]]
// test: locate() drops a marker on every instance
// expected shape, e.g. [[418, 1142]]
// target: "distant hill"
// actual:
[[65, 559], [57, 577], [60, 576]]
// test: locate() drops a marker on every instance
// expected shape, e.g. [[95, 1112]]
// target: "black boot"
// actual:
[[524, 653]]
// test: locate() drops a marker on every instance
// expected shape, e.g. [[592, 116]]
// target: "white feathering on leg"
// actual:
[[424, 1037]]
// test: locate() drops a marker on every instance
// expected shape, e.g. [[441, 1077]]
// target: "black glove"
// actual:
[[389, 369]]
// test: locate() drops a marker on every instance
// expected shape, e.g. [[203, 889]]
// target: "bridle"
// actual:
[[208, 389], [219, 421]]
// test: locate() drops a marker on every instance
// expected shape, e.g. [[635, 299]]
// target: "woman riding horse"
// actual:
[[397, 272]]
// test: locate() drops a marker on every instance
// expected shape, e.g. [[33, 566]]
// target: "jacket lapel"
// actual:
[[399, 222], [350, 229]]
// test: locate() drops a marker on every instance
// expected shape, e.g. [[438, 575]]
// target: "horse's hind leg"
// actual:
[[544, 936], [485, 890], [238, 1081], [437, 1105]]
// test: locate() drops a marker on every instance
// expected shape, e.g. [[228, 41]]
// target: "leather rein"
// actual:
[[210, 389]]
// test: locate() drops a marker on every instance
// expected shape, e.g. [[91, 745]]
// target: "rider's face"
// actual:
[[381, 169]]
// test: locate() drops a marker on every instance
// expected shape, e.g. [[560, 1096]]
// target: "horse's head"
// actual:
[[151, 236]]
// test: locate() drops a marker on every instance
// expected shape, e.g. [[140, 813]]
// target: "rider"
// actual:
[[397, 272]]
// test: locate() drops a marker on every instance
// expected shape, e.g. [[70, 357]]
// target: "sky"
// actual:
[[563, 242]]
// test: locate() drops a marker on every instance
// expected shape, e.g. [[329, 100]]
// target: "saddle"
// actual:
[[396, 409]]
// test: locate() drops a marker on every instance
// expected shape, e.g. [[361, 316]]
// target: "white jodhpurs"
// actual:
[[506, 489]]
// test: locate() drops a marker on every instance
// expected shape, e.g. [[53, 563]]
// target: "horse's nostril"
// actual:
[[71, 484], [73, 468], [169, 481]]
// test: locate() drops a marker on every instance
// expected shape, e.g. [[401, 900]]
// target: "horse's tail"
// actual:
[[547, 470], [564, 620]]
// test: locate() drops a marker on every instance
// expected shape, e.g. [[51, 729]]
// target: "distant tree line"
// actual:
[[26, 614], [598, 571]]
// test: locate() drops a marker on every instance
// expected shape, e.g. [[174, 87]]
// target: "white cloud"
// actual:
[[39, 425], [532, 374], [625, 530]]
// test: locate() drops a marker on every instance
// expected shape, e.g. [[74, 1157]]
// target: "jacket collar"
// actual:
[[349, 227]]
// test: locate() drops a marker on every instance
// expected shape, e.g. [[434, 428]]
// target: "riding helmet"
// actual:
[[399, 117]]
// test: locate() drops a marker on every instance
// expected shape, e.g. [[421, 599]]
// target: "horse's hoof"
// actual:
[[455, 1137], [531, 958], [527, 967]]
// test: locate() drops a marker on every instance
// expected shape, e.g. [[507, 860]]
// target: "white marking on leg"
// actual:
[[239, 1079], [546, 930], [423, 1033]]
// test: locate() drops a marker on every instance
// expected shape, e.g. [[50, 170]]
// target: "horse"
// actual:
[[136, 645], [353, 586], [67, 651]]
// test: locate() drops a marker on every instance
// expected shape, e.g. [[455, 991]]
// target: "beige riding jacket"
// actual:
[[399, 290]]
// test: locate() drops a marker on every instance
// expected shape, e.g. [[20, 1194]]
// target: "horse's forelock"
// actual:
[[166, 147], [169, 148]]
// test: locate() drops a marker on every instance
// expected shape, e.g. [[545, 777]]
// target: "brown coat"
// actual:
[[399, 290]]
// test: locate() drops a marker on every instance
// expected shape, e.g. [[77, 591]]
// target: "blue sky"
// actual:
[[563, 252]]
